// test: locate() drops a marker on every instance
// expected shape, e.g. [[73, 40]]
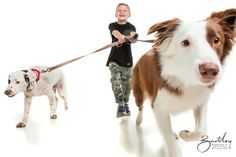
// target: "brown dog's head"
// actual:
[[222, 23], [194, 52]]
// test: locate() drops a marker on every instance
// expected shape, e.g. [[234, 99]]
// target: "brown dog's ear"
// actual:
[[227, 20], [164, 30], [164, 26]]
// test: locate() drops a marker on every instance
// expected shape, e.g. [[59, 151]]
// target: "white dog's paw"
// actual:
[[53, 116], [175, 136], [190, 136], [21, 125], [66, 106]]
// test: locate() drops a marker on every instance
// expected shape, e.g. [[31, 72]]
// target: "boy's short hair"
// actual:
[[124, 5]]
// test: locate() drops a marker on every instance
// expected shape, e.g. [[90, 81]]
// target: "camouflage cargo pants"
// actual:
[[121, 82]]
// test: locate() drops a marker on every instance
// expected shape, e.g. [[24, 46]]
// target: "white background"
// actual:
[[48, 32]]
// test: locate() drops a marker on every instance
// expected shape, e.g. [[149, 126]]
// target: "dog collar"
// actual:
[[37, 73]]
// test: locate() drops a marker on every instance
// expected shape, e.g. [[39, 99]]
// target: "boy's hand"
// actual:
[[121, 39], [133, 37]]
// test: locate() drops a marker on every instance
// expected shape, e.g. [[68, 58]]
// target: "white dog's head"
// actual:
[[193, 52], [19, 81]]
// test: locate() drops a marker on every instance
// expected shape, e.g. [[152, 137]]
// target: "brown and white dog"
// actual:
[[181, 70], [34, 83]]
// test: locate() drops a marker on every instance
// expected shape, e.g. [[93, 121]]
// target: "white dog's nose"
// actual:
[[208, 70], [7, 92]]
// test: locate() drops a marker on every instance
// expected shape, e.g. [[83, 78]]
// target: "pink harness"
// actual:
[[37, 73]]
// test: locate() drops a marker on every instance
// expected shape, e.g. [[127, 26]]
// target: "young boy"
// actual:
[[120, 59]]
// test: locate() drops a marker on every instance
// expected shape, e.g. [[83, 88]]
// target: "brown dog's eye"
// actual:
[[216, 40], [17, 82], [185, 43]]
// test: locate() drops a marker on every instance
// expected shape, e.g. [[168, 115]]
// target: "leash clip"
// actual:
[[47, 70]]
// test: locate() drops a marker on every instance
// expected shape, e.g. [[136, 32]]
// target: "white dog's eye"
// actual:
[[9, 81], [185, 43], [17, 82]]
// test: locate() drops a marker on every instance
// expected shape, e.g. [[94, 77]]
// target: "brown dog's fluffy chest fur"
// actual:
[[149, 69]]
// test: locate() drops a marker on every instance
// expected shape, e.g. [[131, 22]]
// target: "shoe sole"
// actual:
[[128, 114]]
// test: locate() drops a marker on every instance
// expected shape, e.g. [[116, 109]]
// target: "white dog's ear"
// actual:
[[30, 82], [164, 30], [25, 71]]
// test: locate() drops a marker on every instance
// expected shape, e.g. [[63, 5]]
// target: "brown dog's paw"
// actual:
[[20, 125], [53, 117], [190, 136]]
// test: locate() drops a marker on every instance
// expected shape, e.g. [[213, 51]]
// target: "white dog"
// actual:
[[181, 70], [35, 83]]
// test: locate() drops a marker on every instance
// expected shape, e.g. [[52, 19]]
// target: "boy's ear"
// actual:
[[129, 14]]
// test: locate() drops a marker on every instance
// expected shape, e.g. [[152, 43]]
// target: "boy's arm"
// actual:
[[122, 38], [119, 36]]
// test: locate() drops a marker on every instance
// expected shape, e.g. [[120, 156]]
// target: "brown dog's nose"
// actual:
[[7, 92], [208, 70]]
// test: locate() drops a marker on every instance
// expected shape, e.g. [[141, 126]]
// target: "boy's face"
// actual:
[[122, 13]]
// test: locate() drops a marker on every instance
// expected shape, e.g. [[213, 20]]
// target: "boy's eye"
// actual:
[[17, 82]]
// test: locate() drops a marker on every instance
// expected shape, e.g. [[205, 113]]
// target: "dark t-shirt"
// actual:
[[121, 55]]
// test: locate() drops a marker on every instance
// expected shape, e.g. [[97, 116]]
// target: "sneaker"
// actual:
[[127, 110], [120, 111]]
